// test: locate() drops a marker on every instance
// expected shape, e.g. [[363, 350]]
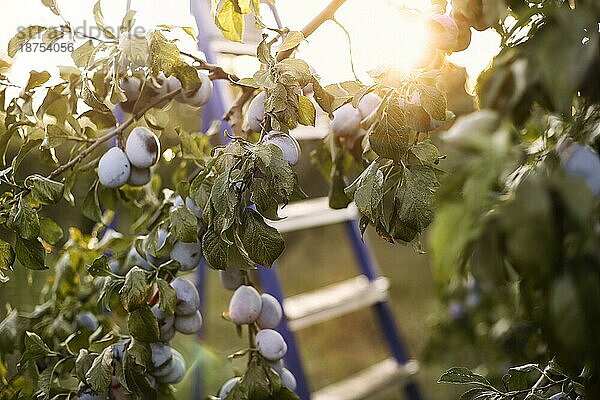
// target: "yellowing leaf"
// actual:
[[84, 54], [292, 40], [244, 6], [51, 4], [36, 79], [306, 111], [22, 37], [230, 22]]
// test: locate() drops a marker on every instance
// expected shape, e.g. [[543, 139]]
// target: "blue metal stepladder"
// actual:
[[366, 290]]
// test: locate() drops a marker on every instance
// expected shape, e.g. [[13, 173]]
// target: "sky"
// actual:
[[382, 32]]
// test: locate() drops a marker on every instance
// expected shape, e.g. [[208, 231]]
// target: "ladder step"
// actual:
[[333, 301], [234, 48], [310, 214], [368, 382]]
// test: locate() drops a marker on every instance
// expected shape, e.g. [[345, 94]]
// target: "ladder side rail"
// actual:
[[382, 310]]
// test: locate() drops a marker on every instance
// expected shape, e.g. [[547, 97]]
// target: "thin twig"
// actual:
[[215, 72], [338, 23]]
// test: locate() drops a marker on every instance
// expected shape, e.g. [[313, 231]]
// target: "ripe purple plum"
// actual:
[[256, 112], [286, 143], [188, 324], [188, 255], [245, 305], [346, 121], [142, 147], [188, 299], [270, 344], [114, 168], [270, 312]]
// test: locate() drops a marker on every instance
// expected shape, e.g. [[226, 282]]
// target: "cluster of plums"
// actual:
[[160, 86], [187, 318], [187, 254], [142, 149], [131, 166], [247, 306], [168, 365]]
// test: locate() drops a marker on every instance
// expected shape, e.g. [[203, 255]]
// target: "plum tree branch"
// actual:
[[214, 71], [116, 131]]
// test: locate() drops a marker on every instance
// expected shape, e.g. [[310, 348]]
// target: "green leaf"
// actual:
[[99, 267], [44, 190], [22, 37], [263, 51], [426, 152], [263, 243], [83, 363], [24, 220], [292, 40], [50, 231], [167, 297], [463, 376], [414, 202], [51, 4], [36, 79], [91, 205], [296, 68], [128, 22], [134, 51], [30, 254], [417, 118], [214, 250], [99, 376], [367, 191], [99, 18], [184, 225], [52, 35], [140, 352], [223, 200], [23, 151], [46, 377], [323, 98], [230, 22], [263, 198], [390, 137], [142, 324], [7, 258], [83, 55], [306, 111], [433, 101], [478, 394], [35, 348], [136, 289]]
